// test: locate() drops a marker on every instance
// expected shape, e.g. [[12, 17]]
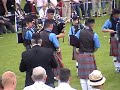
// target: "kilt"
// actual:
[[86, 64], [74, 54], [58, 58], [113, 46], [118, 57]]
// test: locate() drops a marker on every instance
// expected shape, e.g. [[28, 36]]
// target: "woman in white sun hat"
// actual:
[[96, 80]]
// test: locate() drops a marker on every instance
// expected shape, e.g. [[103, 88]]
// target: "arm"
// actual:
[[106, 27], [78, 34], [62, 34], [54, 40], [96, 42], [22, 66], [4, 4], [28, 35]]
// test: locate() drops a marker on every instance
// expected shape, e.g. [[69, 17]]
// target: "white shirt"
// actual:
[[95, 89], [40, 3], [64, 86], [29, 0], [66, 0], [38, 86], [54, 2], [18, 1]]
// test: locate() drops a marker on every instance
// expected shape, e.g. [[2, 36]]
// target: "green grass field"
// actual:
[[10, 55]]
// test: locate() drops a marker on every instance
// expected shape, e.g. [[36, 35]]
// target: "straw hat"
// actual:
[[96, 78]]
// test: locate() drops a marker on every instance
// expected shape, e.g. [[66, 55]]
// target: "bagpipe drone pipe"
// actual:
[[118, 30], [20, 22]]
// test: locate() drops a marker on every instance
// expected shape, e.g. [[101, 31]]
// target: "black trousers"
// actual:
[[8, 26]]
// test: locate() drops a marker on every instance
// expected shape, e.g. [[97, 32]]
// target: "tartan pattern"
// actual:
[[118, 57], [113, 46], [74, 54], [86, 64], [58, 58]]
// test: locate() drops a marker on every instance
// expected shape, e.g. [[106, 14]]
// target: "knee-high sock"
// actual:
[[116, 63], [84, 84]]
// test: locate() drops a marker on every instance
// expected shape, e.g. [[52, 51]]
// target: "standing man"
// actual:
[[67, 9], [38, 56], [75, 27], [96, 6], [41, 7], [59, 32], [110, 27], [50, 41], [110, 2], [3, 8], [88, 44]]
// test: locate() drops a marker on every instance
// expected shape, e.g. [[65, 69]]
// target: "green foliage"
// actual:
[[10, 55]]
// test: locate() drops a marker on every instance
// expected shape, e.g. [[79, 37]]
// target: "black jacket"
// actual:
[[38, 56]]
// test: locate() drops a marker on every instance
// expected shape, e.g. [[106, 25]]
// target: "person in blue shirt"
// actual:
[[28, 32], [49, 40], [110, 27], [75, 27], [88, 44]]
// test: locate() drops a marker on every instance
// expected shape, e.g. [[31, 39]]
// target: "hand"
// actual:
[[77, 50], [63, 30], [112, 31], [6, 12], [58, 50], [1, 21]]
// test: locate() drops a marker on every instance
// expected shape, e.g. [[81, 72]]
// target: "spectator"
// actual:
[[67, 9], [110, 2], [9, 80], [64, 77], [30, 7], [1, 86], [5, 23], [96, 5], [41, 7], [39, 77], [77, 5], [38, 56], [88, 8], [96, 80], [103, 5], [3, 8]]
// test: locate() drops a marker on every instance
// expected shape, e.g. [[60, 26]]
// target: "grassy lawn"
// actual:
[[10, 55]]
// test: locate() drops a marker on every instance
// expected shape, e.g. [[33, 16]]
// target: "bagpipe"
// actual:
[[20, 21]]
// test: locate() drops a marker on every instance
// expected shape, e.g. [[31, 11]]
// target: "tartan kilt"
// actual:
[[118, 57], [86, 64], [58, 58], [74, 54], [113, 46]]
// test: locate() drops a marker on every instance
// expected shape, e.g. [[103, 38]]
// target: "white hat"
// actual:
[[96, 78]]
